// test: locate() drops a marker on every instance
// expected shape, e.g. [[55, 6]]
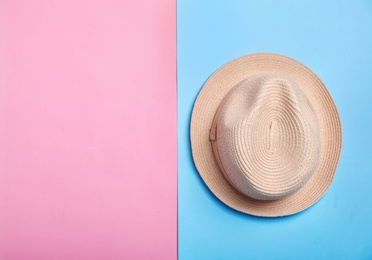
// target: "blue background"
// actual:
[[334, 39]]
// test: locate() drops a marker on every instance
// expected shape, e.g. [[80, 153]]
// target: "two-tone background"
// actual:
[[95, 106]]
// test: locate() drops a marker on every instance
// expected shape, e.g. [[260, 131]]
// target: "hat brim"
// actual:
[[205, 107]]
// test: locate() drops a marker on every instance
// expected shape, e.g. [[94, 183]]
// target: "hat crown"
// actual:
[[268, 138]]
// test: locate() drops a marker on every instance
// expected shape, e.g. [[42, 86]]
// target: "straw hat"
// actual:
[[266, 135]]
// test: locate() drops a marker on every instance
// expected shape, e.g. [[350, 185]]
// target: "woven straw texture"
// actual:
[[276, 135]]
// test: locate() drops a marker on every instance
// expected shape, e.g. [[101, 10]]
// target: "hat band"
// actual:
[[213, 140]]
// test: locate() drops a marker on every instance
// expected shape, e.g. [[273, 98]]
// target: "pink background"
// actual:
[[88, 159]]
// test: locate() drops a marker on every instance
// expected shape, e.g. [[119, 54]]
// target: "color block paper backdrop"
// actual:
[[334, 39], [88, 130]]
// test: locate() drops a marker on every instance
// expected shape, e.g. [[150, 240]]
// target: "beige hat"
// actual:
[[266, 135]]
